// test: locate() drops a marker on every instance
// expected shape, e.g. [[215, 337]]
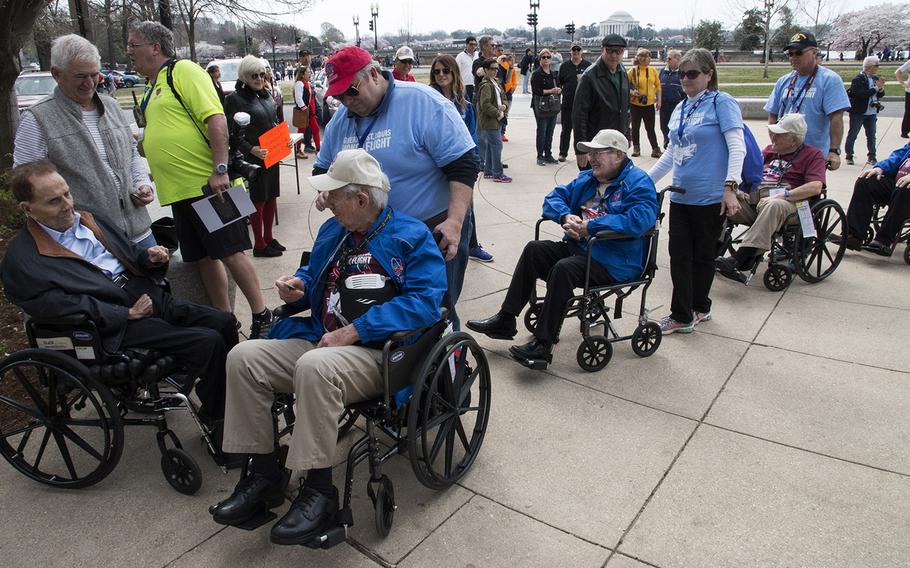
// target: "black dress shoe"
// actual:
[[853, 243], [267, 252], [729, 268], [310, 512], [500, 326], [550, 160], [253, 495], [879, 248], [535, 350], [274, 244]]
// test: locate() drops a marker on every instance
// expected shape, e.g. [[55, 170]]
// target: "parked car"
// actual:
[[328, 104], [32, 87], [126, 80], [229, 68]]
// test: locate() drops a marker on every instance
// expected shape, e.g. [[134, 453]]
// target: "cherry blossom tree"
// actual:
[[865, 30]]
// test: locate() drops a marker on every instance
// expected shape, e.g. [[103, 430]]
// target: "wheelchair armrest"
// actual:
[[73, 320], [287, 310], [610, 236], [400, 336]]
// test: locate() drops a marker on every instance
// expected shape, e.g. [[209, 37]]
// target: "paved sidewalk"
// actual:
[[775, 435]]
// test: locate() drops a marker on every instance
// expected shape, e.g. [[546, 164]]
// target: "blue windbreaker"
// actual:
[[892, 163]]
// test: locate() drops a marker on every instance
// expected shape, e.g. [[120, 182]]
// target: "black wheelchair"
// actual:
[[903, 236], [434, 408], [595, 350], [65, 401], [812, 258]]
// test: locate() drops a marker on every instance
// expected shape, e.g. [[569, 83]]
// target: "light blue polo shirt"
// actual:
[[826, 95], [700, 155], [413, 133]]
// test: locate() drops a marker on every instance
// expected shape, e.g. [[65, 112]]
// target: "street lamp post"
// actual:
[[532, 21], [374, 11], [357, 28]]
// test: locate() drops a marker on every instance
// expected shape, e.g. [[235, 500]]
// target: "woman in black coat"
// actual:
[[252, 97], [543, 83]]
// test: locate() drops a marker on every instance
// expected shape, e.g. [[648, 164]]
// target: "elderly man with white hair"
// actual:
[[88, 139], [373, 271], [793, 171], [866, 90]]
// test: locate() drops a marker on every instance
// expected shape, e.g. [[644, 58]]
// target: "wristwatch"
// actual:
[[731, 184], [834, 151], [220, 168]]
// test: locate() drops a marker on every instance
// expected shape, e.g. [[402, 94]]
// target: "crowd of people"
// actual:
[[402, 230]]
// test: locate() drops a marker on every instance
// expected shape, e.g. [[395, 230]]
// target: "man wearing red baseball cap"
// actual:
[[421, 142]]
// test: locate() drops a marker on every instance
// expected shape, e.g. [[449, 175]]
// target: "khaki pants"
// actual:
[[764, 220], [323, 380]]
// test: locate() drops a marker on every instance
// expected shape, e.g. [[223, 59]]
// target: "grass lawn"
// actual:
[[753, 74]]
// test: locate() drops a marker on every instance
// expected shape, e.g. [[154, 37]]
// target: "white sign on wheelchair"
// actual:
[[804, 212], [55, 343], [85, 352]]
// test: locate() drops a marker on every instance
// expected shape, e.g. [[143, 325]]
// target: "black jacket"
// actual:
[[260, 106], [46, 279], [567, 79], [860, 92], [598, 105]]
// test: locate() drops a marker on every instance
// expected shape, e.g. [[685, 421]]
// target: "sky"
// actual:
[[448, 15]]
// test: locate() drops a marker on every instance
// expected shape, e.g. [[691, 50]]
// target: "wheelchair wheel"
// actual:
[[181, 471], [383, 505], [58, 426], [817, 257], [449, 410], [646, 339], [594, 353], [778, 277], [532, 316]]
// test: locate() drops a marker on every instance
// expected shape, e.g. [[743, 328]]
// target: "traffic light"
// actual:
[[371, 25], [570, 29], [297, 39], [274, 40], [532, 19], [249, 40]]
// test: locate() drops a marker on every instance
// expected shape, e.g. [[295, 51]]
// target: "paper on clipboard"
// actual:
[[216, 214], [276, 141]]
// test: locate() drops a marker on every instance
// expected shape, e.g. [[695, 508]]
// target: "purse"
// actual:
[[547, 105], [300, 118]]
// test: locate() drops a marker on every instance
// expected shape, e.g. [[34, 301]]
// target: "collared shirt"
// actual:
[[80, 240]]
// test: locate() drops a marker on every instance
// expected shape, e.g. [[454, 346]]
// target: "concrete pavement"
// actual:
[[775, 435]]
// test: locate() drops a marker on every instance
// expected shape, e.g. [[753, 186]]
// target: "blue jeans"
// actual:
[[545, 127], [866, 122], [524, 89], [455, 270], [492, 151]]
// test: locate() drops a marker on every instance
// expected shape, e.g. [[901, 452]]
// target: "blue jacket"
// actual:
[[406, 250], [632, 209], [892, 163]]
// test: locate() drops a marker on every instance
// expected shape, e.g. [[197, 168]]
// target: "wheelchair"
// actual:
[[792, 253], [903, 236], [434, 408], [65, 401], [595, 350]]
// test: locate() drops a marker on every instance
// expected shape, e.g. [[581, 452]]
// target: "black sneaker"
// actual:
[[541, 162], [309, 514], [274, 244], [261, 325], [266, 252], [253, 495], [550, 160]]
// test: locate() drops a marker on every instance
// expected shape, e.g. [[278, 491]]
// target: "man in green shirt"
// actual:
[[186, 145]]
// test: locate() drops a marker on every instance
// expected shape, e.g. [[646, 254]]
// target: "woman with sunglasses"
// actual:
[[446, 78], [252, 97], [705, 154], [543, 83]]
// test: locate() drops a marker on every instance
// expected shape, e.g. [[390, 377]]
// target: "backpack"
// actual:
[[753, 163]]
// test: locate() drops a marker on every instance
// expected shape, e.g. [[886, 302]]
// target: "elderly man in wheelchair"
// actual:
[[614, 195], [72, 263], [793, 171], [372, 272]]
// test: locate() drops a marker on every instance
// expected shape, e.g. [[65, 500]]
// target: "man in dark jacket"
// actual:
[[525, 66], [65, 262], [567, 80], [671, 93], [602, 96], [866, 89]]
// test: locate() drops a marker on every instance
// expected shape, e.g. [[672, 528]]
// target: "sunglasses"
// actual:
[[254, 76], [443, 71], [350, 92], [690, 75], [545, 57], [795, 53]]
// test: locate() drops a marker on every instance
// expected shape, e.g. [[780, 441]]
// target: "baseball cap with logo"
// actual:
[[791, 123], [351, 166], [341, 68], [604, 139], [404, 53], [801, 40]]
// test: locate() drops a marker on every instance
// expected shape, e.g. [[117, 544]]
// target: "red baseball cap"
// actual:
[[342, 66]]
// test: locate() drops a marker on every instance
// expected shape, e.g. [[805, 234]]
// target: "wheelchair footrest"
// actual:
[[251, 524], [535, 364], [332, 536]]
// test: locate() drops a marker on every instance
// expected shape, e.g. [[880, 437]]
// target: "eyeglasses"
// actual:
[[690, 74], [135, 45], [545, 57], [795, 53], [614, 50], [262, 75], [350, 92], [443, 71]]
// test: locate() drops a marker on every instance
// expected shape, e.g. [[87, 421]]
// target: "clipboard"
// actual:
[[277, 142], [216, 214]]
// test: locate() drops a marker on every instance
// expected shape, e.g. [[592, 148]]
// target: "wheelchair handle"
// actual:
[[673, 189]]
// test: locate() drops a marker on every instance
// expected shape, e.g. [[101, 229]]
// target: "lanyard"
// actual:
[[800, 95], [683, 118], [151, 87], [363, 137], [638, 78], [784, 169], [347, 251]]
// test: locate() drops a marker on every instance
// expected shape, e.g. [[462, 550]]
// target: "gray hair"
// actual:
[[484, 41], [674, 53], [364, 72], [153, 32], [870, 61], [249, 65], [71, 48], [702, 59], [378, 196]]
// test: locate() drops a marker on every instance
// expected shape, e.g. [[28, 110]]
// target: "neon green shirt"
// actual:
[[180, 160]]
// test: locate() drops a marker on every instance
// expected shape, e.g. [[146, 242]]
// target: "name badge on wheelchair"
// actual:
[[804, 212]]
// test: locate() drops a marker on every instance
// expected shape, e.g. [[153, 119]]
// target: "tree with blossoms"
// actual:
[[872, 27]]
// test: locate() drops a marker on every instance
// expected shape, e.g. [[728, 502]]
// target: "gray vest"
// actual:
[[71, 148]]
